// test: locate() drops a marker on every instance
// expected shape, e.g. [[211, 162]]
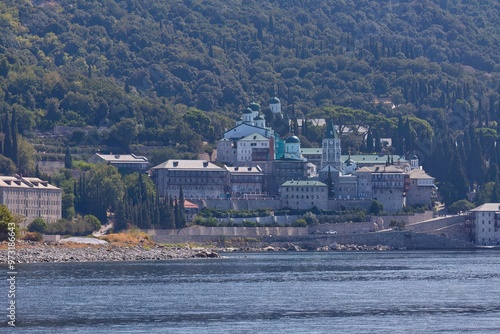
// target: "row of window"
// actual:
[[303, 196], [306, 189], [254, 144]]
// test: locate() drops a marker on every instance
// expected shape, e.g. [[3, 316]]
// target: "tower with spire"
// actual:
[[331, 147]]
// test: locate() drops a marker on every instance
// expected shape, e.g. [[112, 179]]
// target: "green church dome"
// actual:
[[274, 100], [254, 106], [292, 140]]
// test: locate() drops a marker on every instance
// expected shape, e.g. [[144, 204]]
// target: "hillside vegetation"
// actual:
[[177, 73]]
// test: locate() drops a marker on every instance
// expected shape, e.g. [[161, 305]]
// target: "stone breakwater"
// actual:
[[51, 253]]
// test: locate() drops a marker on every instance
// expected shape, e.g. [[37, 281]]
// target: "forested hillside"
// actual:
[[176, 73]]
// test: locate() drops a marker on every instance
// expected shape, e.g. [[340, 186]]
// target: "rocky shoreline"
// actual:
[[37, 253], [31, 252], [297, 247]]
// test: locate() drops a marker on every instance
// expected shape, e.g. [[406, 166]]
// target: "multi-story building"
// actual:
[[254, 147], [383, 183], [486, 224], [421, 190], [197, 178], [31, 198], [304, 195], [246, 181], [124, 162]]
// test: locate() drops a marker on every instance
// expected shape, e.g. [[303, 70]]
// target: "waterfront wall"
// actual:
[[408, 220], [435, 224], [404, 240], [202, 233], [275, 204]]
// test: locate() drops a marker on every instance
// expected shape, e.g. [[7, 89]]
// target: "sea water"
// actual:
[[290, 292]]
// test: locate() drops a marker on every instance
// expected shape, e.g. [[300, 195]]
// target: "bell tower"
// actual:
[[331, 147]]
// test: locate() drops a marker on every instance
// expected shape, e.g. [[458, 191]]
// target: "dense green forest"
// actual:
[[175, 74]]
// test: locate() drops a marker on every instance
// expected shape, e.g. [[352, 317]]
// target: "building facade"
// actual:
[[124, 162], [31, 198], [421, 188], [246, 181], [304, 195], [385, 184], [485, 221], [197, 178]]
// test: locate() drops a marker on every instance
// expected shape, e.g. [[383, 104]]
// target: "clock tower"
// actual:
[[331, 147]]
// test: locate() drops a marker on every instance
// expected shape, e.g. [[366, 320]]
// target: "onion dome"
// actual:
[[254, 106], [349, 161], [247, 111], [292, 140], [274, 100]]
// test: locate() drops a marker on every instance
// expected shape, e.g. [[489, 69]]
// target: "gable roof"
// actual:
[[491, 207], [293, 183], [188, 165], [254, 137], [121, 158]]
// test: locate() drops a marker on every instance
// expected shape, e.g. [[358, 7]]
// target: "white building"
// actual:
[[130, 162], [254, 147], [31, 198], [486, 224]]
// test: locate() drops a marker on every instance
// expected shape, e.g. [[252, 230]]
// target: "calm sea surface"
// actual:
[[354, 292]]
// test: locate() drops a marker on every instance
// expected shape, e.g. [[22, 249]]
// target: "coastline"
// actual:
[[40, 252], [30, 252]]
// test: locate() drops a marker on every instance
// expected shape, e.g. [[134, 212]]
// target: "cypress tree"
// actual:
[[369, 141], [14, 133], [68, 159], [182, 211], [176, 214], [378, 144], [7, 144], [330, 184]]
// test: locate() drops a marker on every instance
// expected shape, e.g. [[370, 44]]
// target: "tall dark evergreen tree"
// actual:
[[330, 184], [14, 132], [369, 142], [68, 159], [7, 142], [182, 211]]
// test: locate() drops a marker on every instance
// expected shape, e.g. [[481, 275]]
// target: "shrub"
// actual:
[[310, 218], [33, 236], [248, 223], [38, 225], [299, 223]]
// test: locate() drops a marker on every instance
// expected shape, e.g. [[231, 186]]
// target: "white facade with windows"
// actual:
[[31, 198], [486, 220]]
